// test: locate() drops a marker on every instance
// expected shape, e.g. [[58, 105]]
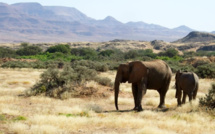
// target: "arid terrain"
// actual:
[[40, 114]]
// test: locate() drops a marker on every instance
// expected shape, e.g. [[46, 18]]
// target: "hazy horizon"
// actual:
[[196, 15]]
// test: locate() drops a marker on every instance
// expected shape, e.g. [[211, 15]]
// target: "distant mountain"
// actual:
[[183, 28], [32, 22], [213, 32], [197, 37]]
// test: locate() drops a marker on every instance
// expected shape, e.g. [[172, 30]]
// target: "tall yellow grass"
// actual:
[[96, 115]]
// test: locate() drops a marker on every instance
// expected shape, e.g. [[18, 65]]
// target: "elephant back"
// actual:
[[159, 74]]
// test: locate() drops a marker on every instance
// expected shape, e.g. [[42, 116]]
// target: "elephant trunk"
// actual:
[[116, 93]]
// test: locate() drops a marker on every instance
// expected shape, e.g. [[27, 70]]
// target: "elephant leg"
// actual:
[[179, 97], [141, 93], [162, 99], [190, 97], [195, 91], [162, 92], [135, 95], [194, 94], [184, 97]]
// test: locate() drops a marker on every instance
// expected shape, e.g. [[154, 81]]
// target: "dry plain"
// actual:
[[44, 115]]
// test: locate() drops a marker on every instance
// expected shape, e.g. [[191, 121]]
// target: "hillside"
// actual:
[[197, 37], [32, 22]]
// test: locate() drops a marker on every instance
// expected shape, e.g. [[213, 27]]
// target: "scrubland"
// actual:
[[40, 114]]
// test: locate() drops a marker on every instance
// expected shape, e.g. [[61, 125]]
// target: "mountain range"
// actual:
[[32, 22]]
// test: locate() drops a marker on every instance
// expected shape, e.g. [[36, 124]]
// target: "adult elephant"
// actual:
[[144, 75], [188, 82]]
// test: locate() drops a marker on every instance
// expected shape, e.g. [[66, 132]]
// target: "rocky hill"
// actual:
[[197, 37], [32, 22]]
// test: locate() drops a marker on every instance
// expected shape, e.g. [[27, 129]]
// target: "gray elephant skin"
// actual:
[[143, 75], [188, 82]]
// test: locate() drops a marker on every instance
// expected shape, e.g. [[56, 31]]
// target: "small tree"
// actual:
[[87, 53], [28, 50], [65, 49], [206, 70], [171, 52], [209, 99], [7, 52]]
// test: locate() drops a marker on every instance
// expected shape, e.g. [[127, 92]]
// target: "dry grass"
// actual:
[[93, 115]]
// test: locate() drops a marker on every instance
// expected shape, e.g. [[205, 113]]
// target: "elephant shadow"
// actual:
[[131, 110]]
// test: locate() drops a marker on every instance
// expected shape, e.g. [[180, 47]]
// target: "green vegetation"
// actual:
[[7, 52], [101, 60], [20, 118], [81, 114], [206, 70], [56, 83], [65, 49], [209, 99], [2, 117], [27, 50]]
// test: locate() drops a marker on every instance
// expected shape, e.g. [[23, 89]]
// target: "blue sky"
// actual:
[[196, 14]]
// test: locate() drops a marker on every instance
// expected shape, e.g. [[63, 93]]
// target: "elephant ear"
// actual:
[[137, 71]]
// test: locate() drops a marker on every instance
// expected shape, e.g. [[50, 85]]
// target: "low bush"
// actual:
[[29, 50], [171, 52], [7, 52], [52, 56], [65, 49], [104, 81], [98, 66], [206, 70], [86, 53], [176, 65], [67, 82], [209, 99]]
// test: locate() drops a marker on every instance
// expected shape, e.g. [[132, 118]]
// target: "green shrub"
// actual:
[[7, 52], [209, 99], [206, 70], [104, 81], [106, 53], [176, 65], [139, 54], [171, 52], [65, 49], [147, 52], [52, 56], [86, 53], [131, 54], [67, 82], [84, 74], [53, 78], [98, 66], [29, 50]]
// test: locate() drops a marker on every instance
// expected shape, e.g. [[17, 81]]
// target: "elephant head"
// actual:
[[132, 72]]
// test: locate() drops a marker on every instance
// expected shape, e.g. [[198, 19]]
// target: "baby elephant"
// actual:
[[188, 82]]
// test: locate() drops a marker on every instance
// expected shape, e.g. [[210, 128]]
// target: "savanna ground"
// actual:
[[40, 114]]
